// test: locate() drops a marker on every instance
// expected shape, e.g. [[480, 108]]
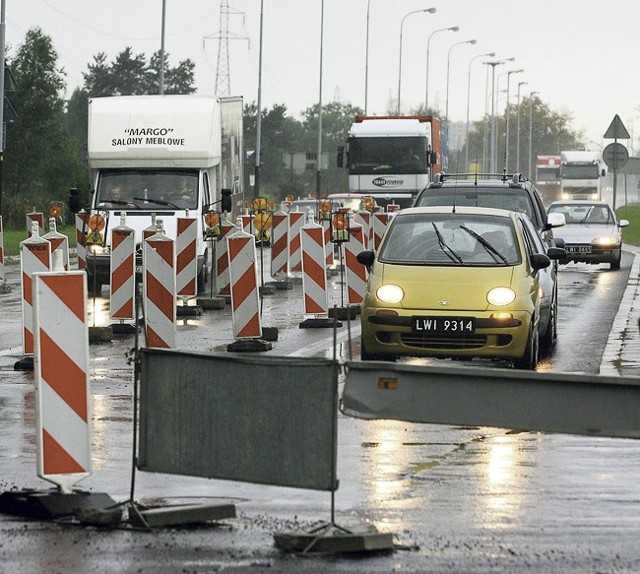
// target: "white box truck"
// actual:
[[161, 157], [581, 173]]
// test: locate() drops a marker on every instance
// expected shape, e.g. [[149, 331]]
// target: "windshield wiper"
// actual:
[[157, 202], [584, 219], [119, 202], [450, 253], [490, 248]]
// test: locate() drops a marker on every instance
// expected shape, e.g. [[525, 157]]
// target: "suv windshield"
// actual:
[[148, 189], [499, 198]]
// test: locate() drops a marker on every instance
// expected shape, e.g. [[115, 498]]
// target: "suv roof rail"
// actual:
[[515, 177]]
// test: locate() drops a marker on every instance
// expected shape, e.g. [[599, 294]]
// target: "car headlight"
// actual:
[[501, 296], [605, 241], [97, 249], [390, 294]]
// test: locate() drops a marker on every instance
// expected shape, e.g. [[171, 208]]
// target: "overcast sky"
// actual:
[[581, 56]]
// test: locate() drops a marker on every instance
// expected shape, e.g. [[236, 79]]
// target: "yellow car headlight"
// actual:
[[604, 241], [390, 294], [501, 296]]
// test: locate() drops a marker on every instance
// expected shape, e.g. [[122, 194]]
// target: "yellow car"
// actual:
[[460, 282]]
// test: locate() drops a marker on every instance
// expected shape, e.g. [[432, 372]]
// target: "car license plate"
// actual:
[[449, 325], [578, 249]]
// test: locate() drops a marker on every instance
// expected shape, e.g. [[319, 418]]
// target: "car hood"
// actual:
[[585, 232], [462, 288]]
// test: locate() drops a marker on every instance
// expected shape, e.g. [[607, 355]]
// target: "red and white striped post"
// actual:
[[186, 258], [245, 300], [35, 257], [63, 440], [356, 272], [222, 259], [122, 266], [159, 290], [38, 218], [314, 276], [296, 221], [280, 246], [379, 224], [363, 218], [59, 243], [81, 219]]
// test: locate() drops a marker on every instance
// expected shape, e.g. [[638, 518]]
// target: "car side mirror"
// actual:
[[556, 253], [555, 220], [366, 258], [540, 260], [623, 222]]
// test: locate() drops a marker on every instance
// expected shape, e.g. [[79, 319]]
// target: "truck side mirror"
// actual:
[[225, 202], [603, 173], [74, 200], [340, 158], [433, 158]]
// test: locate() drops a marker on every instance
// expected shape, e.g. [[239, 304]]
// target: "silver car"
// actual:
[[591, 233]]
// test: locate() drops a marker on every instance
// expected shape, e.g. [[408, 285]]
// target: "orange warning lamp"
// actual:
[[324, 210], [259, 203], [340, 227], [96, 223], [212, 221], [272, 204], [246, 204], [262, 221], [55, 211], [368, 203], [289, 198]]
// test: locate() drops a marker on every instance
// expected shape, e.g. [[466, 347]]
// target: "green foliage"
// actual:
[[630, 234], [13, 237]]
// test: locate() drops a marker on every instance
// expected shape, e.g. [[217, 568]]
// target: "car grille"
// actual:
[[440, 342]]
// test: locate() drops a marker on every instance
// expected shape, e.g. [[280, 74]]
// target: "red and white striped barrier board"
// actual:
[[356, 272], [245, 301], [328, 245], [314, 271], [82, 219], [63, 439], [35, 257], [247, 223], [59, 243], [1, 251], [296, 221], [38, 218], [222, 259], [364, 218], [186, 257], [280, 246], [159, 289], [122, 267], [379, 224], [152, 229]]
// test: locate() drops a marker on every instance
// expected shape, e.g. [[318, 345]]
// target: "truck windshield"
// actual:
[[147, 189], [387, 155], [586, 171]]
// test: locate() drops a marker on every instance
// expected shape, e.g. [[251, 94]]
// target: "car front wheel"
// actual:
[[529, 360], [615, 264]]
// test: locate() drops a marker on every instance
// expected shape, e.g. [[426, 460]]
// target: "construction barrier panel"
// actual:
[[314, 271], [63, 440], [122, 267], [243, 277], [267, 419], [35, 257], [356, 272], [280, 246], [59, 243], [159, 290], [379, 223], [363, 218], [186, 257], [37, 218], [481, 396], [296, 221], [81, 220], [222, 259]]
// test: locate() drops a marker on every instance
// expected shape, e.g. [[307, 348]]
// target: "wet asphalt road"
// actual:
[[456, 499]]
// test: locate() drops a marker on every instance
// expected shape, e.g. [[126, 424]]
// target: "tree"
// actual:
[[41, 161]]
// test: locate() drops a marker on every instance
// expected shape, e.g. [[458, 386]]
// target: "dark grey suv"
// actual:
[[502, 191]]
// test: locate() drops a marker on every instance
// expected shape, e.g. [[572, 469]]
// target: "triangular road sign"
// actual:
[[617, 130]]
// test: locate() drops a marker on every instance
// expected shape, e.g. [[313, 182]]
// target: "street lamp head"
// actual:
[[454, 28], [430, 10], [490, 54], [474, 41], [516, 71]]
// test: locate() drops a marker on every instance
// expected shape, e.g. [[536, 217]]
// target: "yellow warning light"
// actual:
[[262, 221], [340, 225], [259, 203], [212, 219], [55, 211], [246, 203], [368, 203], [289, 198], [96, 223], [272, 205]]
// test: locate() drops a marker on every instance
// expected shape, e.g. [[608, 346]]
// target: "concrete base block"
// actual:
[[333, 540], [267, 289], [270, 333], [281, 285], [320, 323], [211, 303], [24, 364], [123, 328], [249, 346], [344, 313], [100, 335], [180, 514], [51, 504]]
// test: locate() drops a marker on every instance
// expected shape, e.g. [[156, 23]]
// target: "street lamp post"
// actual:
[[493, 65], [506, 137], [366, 63], [531, 94], [518, 130], [319, 153], [446, 112], [426, 89], [430, 11], [487, 55]]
